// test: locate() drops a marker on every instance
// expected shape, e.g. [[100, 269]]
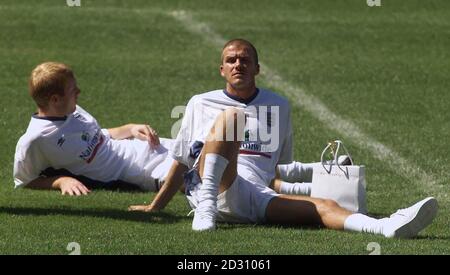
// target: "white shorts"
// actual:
[[160, 172], [243, 202], [151, 167]]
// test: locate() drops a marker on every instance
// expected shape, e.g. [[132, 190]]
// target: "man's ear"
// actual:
[[257, 69], [221, 71]]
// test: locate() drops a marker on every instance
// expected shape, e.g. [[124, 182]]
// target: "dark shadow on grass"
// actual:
[[116, 185], [432, 238], [231, 226], [378, 215], [158, 217], [293, 226]]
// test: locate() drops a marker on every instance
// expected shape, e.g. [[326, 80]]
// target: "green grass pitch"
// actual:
[[385, 69]]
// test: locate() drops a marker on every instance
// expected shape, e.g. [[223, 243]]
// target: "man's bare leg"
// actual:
[[217, 166], [301, 210]]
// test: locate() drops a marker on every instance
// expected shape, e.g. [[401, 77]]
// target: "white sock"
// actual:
[[213, 170], [297, 188], [362, 223], [296, 171]]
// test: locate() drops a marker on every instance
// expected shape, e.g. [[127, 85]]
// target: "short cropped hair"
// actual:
[[240, 41], [48, 79]]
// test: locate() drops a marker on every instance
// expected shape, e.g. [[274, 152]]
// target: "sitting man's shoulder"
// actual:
[[273, 98]]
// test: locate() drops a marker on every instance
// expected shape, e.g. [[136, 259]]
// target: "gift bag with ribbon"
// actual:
[[344, 184]]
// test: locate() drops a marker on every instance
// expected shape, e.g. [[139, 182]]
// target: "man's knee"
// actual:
[[326, 206], [229, 126], [233, 117], [233, 113]]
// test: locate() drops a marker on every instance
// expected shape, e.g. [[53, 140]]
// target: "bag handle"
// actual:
[[332, 145]]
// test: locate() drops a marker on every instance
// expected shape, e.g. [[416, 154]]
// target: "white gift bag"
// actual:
[[344, 184]]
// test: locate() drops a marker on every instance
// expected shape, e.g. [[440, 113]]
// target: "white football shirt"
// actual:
[[78, 144], [268, 132]]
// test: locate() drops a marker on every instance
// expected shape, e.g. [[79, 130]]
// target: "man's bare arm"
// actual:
[[172, 183], [139, 131]]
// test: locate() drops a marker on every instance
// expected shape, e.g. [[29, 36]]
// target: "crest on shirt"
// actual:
[[85, 136], [247, 135]]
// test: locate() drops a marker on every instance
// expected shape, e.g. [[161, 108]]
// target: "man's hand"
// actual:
[[173, 181], [67, 185], [72, 187], [141, 208], [139, 131], [145, 132]]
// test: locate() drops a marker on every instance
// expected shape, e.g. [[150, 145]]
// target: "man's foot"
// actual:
[[408, 222], [205, 217]]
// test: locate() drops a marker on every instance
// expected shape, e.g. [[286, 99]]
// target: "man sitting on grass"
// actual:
[[227, 181]]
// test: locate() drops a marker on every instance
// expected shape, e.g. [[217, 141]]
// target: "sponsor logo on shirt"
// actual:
[[252, 146], [93, 143], [85, 136], [254, 152]]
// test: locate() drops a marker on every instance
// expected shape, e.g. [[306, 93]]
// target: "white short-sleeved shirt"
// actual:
[[78, 144], [268, 131]]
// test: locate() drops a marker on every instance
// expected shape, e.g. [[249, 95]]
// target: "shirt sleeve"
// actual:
[[286, 155], [28, 163], [106, 133]]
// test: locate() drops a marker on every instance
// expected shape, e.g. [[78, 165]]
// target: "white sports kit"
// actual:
[[267, 142], [78, 144]]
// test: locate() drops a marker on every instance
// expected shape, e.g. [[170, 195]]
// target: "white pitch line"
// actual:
[[313, 105]]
